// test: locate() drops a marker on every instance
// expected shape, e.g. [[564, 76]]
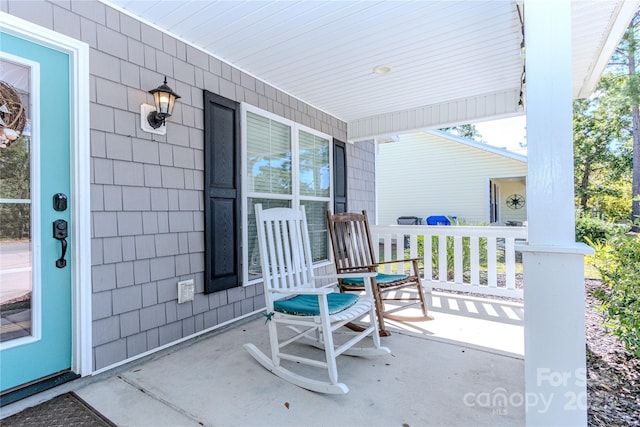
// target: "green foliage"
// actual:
[[15, 184], [623, 69], [613, 202], [618, 260], [632, 88], [603, 151], [466, 131], [595, 230]]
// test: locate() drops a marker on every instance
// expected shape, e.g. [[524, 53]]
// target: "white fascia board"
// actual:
[[621, 18], [478, 108]]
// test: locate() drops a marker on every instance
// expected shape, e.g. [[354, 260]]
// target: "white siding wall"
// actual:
[[423, 174]]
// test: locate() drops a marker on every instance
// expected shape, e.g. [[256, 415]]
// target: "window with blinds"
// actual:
[[268, 156], [315, 174], [285, 164]]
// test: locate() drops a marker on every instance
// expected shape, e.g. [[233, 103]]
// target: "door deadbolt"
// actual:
[[60, 202]]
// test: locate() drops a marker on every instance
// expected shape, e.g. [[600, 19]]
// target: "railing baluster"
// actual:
[[387, 252], [400, 253], [510, 262], [457, 259], [413, 251], [442, 259], [428, 257], [474, 250], [413, 246], [492, 265]]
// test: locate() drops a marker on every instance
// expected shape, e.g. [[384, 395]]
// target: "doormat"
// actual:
[[66, 410]]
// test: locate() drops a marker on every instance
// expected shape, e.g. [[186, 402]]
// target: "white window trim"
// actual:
[[295, 197]]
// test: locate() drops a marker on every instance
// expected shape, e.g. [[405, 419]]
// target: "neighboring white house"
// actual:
[[434, 173]]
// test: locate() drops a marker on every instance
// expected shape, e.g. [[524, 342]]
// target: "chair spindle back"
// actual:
[[351, 240], [285, 252]]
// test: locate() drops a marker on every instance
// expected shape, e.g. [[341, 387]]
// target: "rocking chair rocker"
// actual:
[[316, 315]]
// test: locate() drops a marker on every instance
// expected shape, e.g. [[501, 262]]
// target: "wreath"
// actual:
[[13, 115]]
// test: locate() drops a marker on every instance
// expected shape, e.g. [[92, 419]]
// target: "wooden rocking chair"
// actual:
[[353, 253], [313, 314]]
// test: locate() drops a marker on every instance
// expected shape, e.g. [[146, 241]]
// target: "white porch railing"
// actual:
[[477, 259]]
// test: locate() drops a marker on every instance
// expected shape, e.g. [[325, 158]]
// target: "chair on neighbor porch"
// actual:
[[315, 315], [353, 253]]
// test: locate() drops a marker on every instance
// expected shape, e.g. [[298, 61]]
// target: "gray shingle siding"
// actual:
[[361, 171], [147, 190]]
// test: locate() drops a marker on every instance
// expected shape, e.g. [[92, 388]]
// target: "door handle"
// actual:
[[60, 233]]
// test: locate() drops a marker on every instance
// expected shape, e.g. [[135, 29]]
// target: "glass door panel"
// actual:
[[16, 254]]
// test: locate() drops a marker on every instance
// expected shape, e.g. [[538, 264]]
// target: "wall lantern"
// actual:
[[153, 118]]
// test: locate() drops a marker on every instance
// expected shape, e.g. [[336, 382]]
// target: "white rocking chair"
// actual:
[[314, 314]]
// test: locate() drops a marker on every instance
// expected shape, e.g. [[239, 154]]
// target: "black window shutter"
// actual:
[[339, 176], [222, 193]]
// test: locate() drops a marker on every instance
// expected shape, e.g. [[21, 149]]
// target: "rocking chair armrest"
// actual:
[[368, 289], [347, 275], [400, 260], [357, 274], [360, 269], [362, 274], [303, 291]]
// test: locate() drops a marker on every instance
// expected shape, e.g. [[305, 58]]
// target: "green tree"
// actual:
[[602, 160], [624, 63], [466, 131], [15, 184]]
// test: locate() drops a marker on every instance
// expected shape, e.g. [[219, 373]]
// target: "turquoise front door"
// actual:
[[35, 281]]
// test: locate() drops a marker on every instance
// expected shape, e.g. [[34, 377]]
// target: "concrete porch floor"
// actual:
[[456, 370]]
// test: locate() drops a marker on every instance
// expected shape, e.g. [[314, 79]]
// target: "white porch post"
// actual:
[[555, 365]]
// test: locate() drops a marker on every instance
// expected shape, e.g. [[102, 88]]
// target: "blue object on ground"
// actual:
[[438, 220]]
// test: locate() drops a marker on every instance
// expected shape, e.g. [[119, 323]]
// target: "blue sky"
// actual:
[[505, 133]]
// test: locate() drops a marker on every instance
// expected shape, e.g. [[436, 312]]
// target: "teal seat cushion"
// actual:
[[381, 278], [307, 305]]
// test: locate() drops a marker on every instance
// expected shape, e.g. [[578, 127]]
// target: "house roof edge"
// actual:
[[479, 145]]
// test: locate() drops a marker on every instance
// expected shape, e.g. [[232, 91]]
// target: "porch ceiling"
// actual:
[[463, 55]]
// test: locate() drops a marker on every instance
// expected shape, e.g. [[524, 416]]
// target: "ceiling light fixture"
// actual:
[[383, 69]]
